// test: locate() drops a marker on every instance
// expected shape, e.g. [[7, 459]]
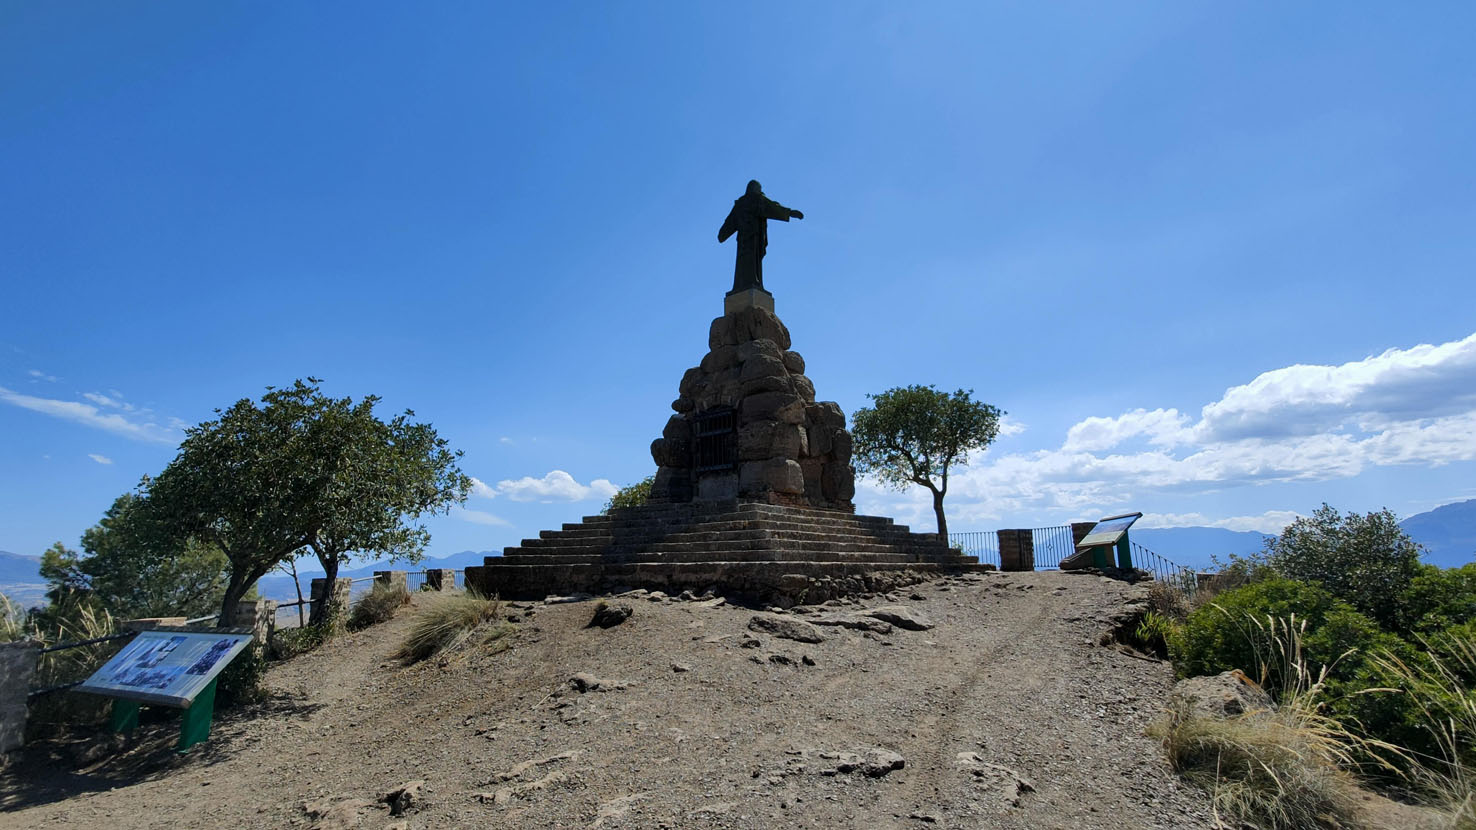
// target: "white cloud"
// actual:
[[482, 517], [481, 490], [505, 440], [557, 486], [40, 375], [1009, 426], [1421, 382], [1161, 427], [101, 459], [114, 402], [1272, 521], [1413, 406], [89, 415]]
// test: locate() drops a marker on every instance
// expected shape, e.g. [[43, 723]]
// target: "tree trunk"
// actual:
[[938, 511], [235, 589], [330, 576]]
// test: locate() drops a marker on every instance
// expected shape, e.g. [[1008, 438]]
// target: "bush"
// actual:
[[1439, 598], [1367, 561], [1225, 634], [377, 606], [448, 620], [290, 642], [631, 495]]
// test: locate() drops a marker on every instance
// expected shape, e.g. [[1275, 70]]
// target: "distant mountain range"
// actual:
[[1447, 533], [1197, 547]]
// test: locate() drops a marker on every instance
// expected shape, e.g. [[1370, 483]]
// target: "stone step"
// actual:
[[757, 541], [706, 534], [727, 524], [689, 557]]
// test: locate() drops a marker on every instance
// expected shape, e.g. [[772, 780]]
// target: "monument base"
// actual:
[[748, 298]]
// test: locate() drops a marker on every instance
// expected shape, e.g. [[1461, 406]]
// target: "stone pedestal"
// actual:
[[747, 425], [750, 298], [440, 579], [17, 664], [336, 597], [1016, 550]]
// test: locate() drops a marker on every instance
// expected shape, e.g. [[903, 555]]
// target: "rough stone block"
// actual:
[[756, 440], [794, 363], [722, 333], [759, 324], [677, 429], [672, 484], [763, 366], [723, 357], [683, 405], [723, 487], [803, 387], [819, 439], [827, 413], [790, 442], [755, 348], [693, 378], [773, 406], [771, 383], [840, 446]]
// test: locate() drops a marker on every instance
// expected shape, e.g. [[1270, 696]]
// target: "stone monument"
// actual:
[[753, 485]]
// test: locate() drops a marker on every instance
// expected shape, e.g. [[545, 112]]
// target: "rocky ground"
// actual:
[[978, 701]]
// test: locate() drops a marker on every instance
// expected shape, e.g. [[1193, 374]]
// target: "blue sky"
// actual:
[[1214, 260]]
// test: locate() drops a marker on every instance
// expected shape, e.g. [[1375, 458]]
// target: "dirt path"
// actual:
[[1006, 713]]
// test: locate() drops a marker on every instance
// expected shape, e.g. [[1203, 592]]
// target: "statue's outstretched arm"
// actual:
[[730, 226]]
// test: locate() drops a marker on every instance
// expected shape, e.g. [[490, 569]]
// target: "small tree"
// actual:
[[631, 495], [1367, 561], [300, 470], [915, 434], [380, 478]]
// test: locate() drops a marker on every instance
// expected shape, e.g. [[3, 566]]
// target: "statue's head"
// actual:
[[753, 188]]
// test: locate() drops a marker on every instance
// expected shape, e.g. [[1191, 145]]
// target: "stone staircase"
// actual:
[[738, 547]]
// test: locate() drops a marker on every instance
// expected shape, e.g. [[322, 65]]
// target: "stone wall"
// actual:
[[337, 599], [17, 664], [1016, 550], [440, 579], [791, 449]]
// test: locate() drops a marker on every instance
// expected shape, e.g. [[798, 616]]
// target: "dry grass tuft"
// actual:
[[377, 606], [1446, 706], [450, 620], [1271, 770], [1275, 770]]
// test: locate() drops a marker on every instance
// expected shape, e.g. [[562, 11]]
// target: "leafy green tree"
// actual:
[[301, 470], [379, 478], [133, 575], [1440, 598], [1365, 560], [915, 434], [61, 568], [631, 495]]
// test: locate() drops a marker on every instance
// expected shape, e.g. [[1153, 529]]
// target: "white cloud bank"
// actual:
[[557, 486], [1414, 406], [130, 423], [101, 459]]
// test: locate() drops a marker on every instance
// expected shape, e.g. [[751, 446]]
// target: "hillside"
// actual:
[[1447, 532], [18, 569], [1006, 714]]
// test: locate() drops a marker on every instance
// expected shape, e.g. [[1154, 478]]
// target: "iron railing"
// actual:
[[1051, 544], [981, 543]]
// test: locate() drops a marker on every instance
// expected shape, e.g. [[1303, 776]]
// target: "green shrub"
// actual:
[[290, 642], [631, 495], [1367, 560], [1226, 634], [1439, 598], [377, 606], [448, 620]]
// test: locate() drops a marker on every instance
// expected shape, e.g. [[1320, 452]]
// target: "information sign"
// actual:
[[166, 667], [1108, 531]]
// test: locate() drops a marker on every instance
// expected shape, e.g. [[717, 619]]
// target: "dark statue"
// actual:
[[749, 219]]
